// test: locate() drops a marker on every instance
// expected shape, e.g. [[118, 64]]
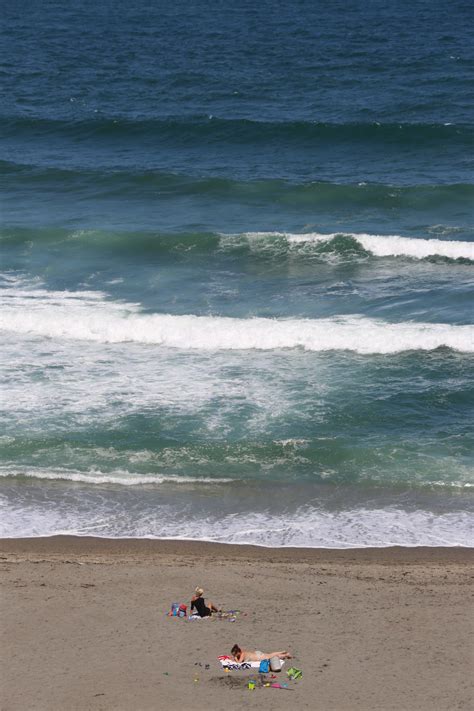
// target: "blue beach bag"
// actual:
[[264, 667]]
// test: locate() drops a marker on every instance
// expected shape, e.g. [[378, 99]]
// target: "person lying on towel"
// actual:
[[246, 655], [199, 604]]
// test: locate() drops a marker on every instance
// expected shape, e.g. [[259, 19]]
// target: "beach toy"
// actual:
[[294, 673], [275, 664], [251, 684], [280, 686]]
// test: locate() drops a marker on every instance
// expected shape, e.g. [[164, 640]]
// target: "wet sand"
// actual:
[[84, 625]]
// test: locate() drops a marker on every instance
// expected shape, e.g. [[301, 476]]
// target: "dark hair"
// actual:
[[235, 650]]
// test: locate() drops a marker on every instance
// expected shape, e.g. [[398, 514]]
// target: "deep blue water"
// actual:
[[237, 249]]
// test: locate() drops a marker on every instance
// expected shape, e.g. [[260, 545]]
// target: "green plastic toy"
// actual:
[[294, 673]]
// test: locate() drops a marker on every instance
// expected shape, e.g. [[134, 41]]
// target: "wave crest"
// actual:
[[271, 245], [377, 245], [95, 476], [91, 317]]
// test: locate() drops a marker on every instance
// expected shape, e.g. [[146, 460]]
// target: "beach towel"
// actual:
[[229, 663], [228, 616]]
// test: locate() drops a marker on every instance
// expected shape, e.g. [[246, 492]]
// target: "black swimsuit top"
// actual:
[[201, 607]]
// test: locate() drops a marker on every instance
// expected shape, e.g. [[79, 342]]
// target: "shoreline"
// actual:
[[96, 545]]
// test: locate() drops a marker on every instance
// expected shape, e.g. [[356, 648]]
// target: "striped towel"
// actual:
[[229, 663]]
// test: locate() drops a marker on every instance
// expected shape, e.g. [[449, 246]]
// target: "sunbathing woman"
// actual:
[[199, 604], [246, 655]]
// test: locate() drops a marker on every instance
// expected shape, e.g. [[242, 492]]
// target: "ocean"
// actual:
[[237, 270]]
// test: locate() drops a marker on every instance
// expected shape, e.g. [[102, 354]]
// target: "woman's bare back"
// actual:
[[248, 655]]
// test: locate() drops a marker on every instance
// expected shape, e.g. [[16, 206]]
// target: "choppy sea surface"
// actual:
[[237, 269]]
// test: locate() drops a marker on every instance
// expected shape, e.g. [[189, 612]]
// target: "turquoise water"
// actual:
[[237, 272]]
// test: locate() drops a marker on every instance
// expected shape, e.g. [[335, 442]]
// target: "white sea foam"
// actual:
[[378, 245], [90, 316], [125, 477], [96, 476], [306, 527], [47, 381]]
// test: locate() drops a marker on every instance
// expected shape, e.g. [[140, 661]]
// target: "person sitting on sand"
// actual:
[[199, 604], [246, 655]]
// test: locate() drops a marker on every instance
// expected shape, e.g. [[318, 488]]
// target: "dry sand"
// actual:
[[84, 625]]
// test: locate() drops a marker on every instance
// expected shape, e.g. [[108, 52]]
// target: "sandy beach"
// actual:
[[84, 625]]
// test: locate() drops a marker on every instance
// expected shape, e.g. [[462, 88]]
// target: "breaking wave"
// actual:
[[377, 245], [269, 245], [89, 316], [95, 476]]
